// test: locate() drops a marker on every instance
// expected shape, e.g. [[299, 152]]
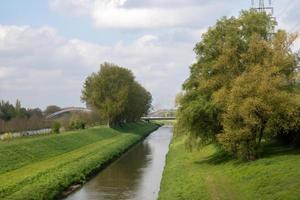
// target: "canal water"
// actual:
[[135, 176]]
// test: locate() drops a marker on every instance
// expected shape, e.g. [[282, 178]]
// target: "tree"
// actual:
[[116, 95], [262, 101], [7, 111], [18, 108], [257, 108], [241, 84], [35, 112], [139, 103], [55, 127], [51, 109]]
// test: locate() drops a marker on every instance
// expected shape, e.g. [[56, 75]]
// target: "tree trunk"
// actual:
[[109, 124], [261, 132]]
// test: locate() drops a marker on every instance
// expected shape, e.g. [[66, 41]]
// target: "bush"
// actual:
[[76, 124], [56, 127], [7, 136]]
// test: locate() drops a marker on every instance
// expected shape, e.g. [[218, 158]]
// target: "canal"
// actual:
[[136, 175]]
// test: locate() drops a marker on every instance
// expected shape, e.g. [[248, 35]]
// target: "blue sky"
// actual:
[[47, 48], [37, 13]]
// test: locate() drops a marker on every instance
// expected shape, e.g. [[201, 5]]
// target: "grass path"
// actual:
[[44, 177], [210, 175]]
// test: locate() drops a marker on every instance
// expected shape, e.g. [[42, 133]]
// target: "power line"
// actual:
[[261, 6], [288, 6], [296, 28]]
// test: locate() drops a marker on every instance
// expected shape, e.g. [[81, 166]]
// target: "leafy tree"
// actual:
[[139, 103], [7, 111], [76, 122], [116, 95], [261, 101], [18, 108], [51, 109], [242, 87], [16, 118], [35, 112], [55, 127]]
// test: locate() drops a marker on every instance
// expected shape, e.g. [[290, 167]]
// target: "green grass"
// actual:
[[42, 167], [209, 174], [165, 122]]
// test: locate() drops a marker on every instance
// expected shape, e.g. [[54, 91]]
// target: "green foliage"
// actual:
[[197, 118], [76, 124], [6, 136], [243, 86], [51, 109], [139, 103], [55, 127], [80, 120], [116, 95], [7, 111], [49, 164], [165, 122], [15, 118], [210, 174], [257, 107]]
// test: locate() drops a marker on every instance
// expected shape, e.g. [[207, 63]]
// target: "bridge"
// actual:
[[66, 110], [157, 118], [79, 109]]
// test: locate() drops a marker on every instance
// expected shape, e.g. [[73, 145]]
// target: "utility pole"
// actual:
[[261, 6]]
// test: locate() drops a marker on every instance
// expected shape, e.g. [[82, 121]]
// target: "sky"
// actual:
[[49, 47]]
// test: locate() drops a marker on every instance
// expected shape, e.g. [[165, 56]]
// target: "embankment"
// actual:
[[42, 167], [210, 174]]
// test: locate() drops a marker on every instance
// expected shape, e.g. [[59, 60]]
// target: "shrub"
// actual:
[[76, 124], [55, 127], [7, 136]]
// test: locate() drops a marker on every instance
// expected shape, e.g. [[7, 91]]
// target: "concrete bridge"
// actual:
[[157, 118], [79, 109], [67, 110]]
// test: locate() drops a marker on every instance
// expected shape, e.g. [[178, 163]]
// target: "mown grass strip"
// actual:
[[210, 175], [47, 178], [23, 151]]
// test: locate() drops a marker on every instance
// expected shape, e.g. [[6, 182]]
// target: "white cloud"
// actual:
[[130, 14], [114, 15], [42, 68], [6, 72], [78, 7]]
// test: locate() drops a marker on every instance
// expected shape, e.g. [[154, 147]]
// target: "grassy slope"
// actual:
[[206, 174], [165, 122], [42, 167]]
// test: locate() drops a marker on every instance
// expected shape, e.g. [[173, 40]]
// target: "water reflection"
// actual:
[[136, 175]]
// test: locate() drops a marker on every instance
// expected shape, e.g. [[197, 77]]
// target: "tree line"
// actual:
[[113, 95], [243, 88], [116, 95], [14, 118]]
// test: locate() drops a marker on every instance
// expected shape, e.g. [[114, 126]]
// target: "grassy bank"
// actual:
[[207, 174], [165, 122], [42, 167]]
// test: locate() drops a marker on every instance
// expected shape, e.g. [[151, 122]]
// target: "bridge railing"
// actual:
[[65, 110], [158, 118]]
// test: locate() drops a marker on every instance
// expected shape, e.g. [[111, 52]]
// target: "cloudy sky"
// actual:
[[49, 47]]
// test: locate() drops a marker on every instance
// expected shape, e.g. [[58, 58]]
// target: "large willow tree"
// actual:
[[117, 96], [243, 86]]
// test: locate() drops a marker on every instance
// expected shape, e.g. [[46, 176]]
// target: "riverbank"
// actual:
[[209, 174], [42, 167]]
